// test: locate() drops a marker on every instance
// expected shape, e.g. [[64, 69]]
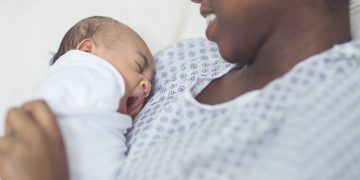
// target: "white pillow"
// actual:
[[355, 18]]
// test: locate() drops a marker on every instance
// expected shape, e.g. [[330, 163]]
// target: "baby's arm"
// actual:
[[84, 92], [80, 80], [95, 144]]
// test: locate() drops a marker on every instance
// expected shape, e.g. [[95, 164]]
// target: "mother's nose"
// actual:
[[196, 1]]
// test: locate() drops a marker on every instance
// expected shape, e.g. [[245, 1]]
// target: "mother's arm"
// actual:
[[33, 148]]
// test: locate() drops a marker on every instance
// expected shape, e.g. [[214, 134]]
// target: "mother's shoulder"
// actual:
[[185, 45]]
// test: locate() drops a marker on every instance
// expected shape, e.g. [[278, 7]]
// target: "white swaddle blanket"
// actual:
[[84, 91]]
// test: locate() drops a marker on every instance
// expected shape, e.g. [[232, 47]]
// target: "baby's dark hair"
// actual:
[[87, 28]]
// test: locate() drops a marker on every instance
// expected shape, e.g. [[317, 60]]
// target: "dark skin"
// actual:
[[269, 37], [298, 23], [33, 148]]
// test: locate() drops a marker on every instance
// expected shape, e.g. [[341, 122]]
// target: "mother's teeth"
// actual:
[[210, 18]]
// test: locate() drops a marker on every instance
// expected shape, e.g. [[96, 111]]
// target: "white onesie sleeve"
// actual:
[[84, 92]]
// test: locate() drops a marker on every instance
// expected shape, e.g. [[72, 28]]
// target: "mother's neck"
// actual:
[[303, 31]]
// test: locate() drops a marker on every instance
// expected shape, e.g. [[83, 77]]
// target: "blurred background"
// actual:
[[31, 30]]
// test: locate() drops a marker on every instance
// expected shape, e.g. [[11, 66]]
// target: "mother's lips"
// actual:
[[210, 18], [211, 28]]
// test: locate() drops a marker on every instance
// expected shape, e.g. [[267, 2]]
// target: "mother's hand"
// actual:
[[33, 148]]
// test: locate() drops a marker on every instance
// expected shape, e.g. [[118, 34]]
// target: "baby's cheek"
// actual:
[[122, 106]]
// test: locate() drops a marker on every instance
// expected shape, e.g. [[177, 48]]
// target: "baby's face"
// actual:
[[135, 63]]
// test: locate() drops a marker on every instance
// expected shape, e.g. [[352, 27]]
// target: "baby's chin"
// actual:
[[133, 113], [136, 111]]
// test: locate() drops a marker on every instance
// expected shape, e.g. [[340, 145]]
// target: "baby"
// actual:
[[97, 81]]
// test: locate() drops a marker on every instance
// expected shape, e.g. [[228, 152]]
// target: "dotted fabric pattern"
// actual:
[[304, 125]]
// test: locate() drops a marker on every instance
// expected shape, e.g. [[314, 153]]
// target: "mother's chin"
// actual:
[[231, 56], [234, 55]]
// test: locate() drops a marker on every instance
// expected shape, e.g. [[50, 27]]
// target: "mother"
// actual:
[[287, 107]]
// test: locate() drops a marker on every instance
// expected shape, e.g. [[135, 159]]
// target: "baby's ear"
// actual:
[[146, 85], [86, 45]]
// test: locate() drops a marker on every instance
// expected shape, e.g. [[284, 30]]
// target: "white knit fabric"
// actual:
[[84, 91]]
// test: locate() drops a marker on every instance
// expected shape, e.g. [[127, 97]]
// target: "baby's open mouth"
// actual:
[[133, 102], [130, 101]]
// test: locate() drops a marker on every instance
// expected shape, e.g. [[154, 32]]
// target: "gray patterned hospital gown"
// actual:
[[304, 125]]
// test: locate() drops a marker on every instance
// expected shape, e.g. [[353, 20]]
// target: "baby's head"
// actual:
[[120, 46]]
